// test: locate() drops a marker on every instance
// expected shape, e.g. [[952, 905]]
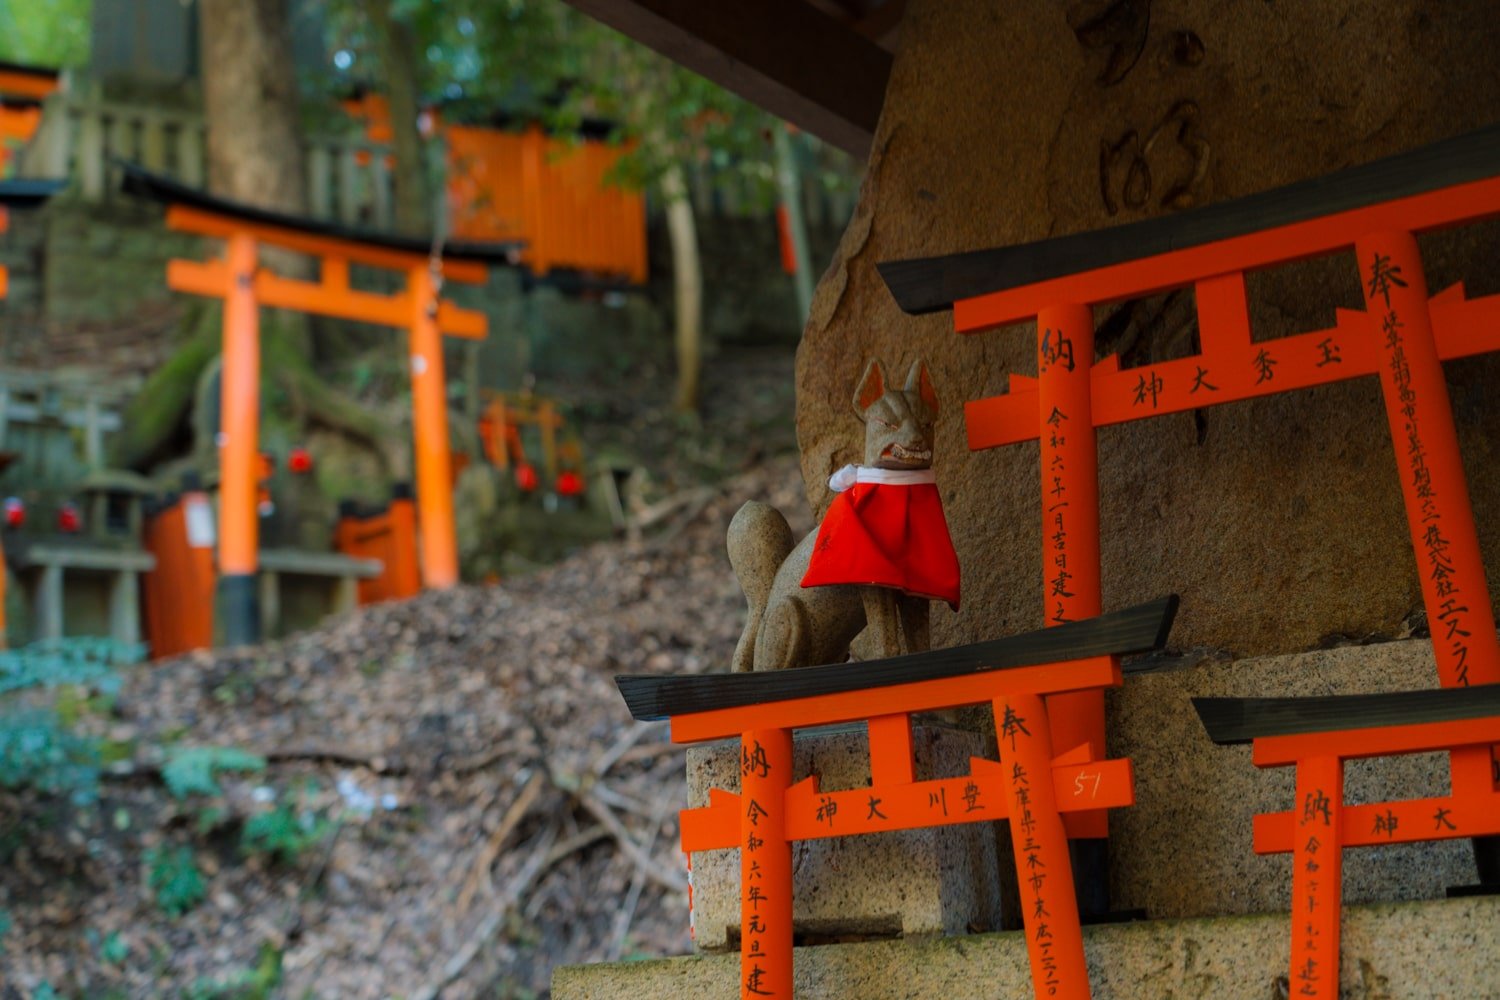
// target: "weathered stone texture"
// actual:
[[1184, 848], [1439, 950], [1278, 520]]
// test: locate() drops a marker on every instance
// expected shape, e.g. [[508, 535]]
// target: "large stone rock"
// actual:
[[1441, 950], [1279, 520]]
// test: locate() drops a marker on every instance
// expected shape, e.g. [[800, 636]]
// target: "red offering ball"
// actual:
[[299, 461], [15, 512], [526, 478], [68, 519], [569, 483]]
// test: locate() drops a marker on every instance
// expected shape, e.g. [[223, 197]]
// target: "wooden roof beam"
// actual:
[[783, 55]]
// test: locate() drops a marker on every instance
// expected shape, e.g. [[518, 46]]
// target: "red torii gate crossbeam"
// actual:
[[244, 287], [1374, 209]]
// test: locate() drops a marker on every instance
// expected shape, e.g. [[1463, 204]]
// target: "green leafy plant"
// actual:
[[283, 833], [259, 983], [193, 770], [174, 879], [38, 747]]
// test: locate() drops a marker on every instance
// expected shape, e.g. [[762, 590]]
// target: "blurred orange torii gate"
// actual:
[[22, 90], [243, 286]]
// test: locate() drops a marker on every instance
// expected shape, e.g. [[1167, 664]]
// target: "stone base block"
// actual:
[[911, 882], [1436, 950]]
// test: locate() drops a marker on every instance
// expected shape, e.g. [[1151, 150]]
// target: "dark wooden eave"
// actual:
[[784, 55], [1140, 629], [144, 184], [1241, 720], [933, 284]]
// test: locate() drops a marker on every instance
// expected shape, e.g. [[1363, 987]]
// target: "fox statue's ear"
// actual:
[[871, 388], [919, 380]]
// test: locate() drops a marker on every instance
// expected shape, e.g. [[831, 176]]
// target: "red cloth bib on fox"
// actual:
[[886, 528]]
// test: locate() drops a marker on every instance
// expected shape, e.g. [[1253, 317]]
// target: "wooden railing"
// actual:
[[348, 179]]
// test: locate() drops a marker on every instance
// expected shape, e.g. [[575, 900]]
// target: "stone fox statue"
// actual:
[[881, 553]]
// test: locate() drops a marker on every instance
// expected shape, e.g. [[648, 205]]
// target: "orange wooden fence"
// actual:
[[390, 536], [550, 193]]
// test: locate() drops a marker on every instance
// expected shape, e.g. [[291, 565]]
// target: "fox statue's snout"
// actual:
[[791, 625]]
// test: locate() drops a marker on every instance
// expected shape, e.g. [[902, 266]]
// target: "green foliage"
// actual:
[[38, 751], [75, 660], [112, 948], [55, 33], [541, 60], [259, 983], [38, 748], [283, 834], [192, 770], [174, 879]]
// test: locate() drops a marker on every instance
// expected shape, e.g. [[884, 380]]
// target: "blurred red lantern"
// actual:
[[569, 483], [69, 521], [299, 461], [526, 477], [15, 512]]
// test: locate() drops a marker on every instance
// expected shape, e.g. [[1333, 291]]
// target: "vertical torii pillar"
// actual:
[[1070, 549], [239, 447], [1438, 513], [439, 546]]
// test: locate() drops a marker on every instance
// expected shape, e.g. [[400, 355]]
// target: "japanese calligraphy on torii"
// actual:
[[1231, 366]]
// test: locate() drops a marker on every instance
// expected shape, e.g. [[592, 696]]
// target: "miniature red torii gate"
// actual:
[[1317, 735], [1037, 785], [244, 287], [1375, 209]]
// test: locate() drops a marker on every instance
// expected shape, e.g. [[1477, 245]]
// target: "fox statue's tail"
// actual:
[[759, 541]]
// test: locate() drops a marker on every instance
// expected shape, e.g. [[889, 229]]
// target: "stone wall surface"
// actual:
[[1278, 520], [1442, 950], [1184, 848]]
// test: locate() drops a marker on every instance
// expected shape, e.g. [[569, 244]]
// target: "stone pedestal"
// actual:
[[1430, 950], [909, 883]]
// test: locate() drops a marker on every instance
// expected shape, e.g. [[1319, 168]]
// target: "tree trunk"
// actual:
[[789, 184], [687, 284], [396, 48], [250, 100], [255, 155]]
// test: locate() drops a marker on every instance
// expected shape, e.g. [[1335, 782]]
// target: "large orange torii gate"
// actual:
[[1375, 211], [244, 286]]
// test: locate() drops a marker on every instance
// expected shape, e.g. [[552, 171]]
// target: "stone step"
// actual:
[[1428, 950]]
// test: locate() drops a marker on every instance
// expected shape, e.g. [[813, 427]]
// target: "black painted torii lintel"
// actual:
[[1139, 629], [28, 192], [783, 55], [933, 284], [1241, 720], [142, 183]]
